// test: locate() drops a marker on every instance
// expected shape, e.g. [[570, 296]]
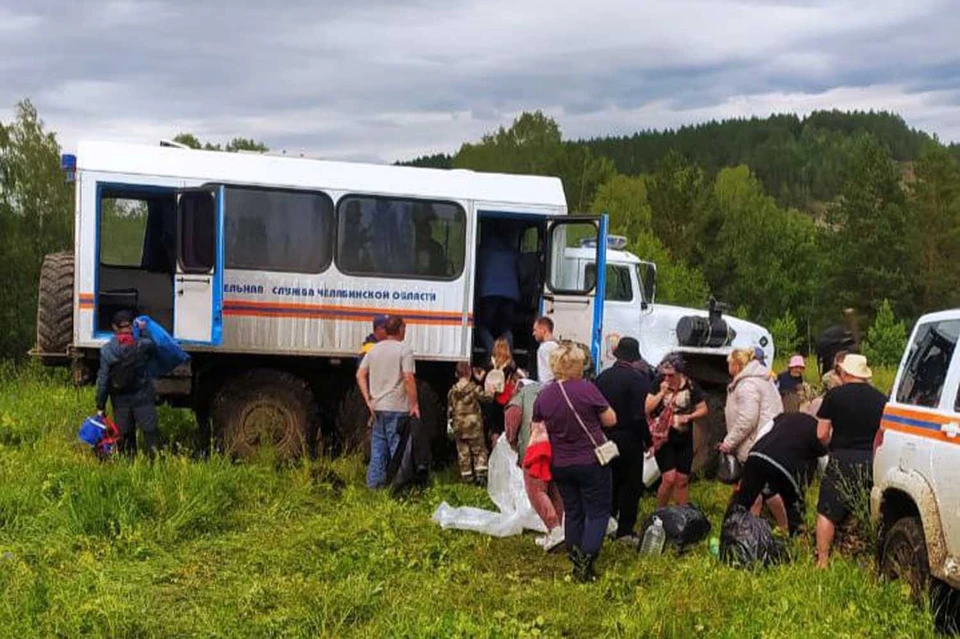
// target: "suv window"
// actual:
[[925, 371]]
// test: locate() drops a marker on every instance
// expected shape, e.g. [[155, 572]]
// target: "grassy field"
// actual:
[[185, 549]]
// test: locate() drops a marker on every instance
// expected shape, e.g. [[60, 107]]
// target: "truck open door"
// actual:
[[198, 281], [573, 303]]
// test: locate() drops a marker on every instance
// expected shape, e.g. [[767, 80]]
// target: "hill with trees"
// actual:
[[786, 219]]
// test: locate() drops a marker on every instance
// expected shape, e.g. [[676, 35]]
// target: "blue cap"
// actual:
[[380, 321]]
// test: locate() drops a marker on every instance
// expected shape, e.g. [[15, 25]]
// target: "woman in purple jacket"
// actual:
[[575, 413]]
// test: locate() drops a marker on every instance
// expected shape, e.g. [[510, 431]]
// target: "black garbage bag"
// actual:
[[748, 541], [683, 525], [410, 465]]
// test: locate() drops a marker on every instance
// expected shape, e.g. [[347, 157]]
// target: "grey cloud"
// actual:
[[380, 79]]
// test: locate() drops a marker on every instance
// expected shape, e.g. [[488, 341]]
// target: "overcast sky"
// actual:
[[393, 79]]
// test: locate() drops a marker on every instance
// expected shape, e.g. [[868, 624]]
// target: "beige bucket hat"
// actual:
[[856, 366]]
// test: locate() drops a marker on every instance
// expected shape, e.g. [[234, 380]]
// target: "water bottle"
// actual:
[[653, 539]]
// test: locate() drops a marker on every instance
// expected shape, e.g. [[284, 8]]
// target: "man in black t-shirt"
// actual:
[[777, 464], [848, 422]]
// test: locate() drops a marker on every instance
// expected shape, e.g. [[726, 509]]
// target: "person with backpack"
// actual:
[[124, 378]]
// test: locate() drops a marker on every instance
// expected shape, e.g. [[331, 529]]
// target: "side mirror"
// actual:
[[647, 272]]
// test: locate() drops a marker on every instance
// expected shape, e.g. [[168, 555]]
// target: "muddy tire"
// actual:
[[354, 423], [265, 408], [707, 434], [903, 556], [55, 303]]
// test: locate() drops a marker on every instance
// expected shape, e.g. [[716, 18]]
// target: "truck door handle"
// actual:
[[952, 429]]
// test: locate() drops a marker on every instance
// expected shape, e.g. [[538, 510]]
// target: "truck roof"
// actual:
[[613, 257], [272, 170]]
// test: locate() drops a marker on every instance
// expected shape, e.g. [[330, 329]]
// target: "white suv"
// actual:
[[915, 500]]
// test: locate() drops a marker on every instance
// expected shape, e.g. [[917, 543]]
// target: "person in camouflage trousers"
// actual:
[[463, 411]]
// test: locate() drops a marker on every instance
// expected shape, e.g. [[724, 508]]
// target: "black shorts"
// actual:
[[847, 480], [764, 476], [676, 453]]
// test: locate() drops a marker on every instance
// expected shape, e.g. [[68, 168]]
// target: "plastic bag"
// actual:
[[506, 490], [651, 471], [747, 541], [168, 354], [684, 525], [729, 470]]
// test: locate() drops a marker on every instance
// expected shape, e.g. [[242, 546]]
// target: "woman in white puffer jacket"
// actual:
[[752, 401]]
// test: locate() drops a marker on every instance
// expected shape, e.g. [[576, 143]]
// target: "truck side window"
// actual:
[[278, 230], [925, 371], [619, 287], [123, 227], [400, 237]]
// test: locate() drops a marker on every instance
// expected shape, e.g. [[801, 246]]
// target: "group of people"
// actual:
[[558, 419]]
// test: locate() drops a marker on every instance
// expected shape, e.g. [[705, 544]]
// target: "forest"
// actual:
[[787, 220]]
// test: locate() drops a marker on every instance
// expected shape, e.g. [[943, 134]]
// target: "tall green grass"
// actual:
[[177, 548]]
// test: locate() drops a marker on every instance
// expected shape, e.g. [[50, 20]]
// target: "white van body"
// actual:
[[916, 467]]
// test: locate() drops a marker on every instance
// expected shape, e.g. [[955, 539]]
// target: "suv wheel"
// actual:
[[904, 556]]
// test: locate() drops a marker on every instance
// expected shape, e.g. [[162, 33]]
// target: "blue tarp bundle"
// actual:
[[169, 355]]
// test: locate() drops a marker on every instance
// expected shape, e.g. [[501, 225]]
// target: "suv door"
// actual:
[[924, 417]]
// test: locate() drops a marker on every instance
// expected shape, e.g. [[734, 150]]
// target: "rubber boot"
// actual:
[[582, 566]]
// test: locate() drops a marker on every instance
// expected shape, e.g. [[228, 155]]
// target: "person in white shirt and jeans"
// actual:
[[543, 333]]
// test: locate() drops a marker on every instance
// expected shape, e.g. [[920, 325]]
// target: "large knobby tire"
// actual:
[[353, 420], [55, 303], [903, 556], [265, 408]]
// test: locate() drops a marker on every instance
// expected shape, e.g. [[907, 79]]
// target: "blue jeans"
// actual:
[[383, 445], [586, 492]]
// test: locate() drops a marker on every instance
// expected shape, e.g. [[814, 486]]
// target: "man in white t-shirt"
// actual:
[[389, 387], [543, 333]]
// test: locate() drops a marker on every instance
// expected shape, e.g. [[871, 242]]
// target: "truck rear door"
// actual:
[[198, 281], [574, 303]]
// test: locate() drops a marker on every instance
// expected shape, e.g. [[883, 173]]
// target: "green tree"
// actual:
[[533, 145], [886, 338], [934, 199], [763, 256], [870, 254], [624, 198], [234, 145], [36, 218], [681, 207], [785, 333]]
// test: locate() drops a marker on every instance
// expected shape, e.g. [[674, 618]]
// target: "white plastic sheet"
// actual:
[[506, 490]]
